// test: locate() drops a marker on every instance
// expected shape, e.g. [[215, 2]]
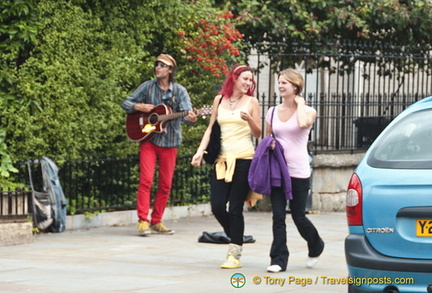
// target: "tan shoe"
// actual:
[[161, 229], [143, 228]]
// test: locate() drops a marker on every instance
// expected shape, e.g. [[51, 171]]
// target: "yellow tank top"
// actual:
[[236, 134]]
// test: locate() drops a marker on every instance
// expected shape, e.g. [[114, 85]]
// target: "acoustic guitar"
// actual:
[[142, 126]]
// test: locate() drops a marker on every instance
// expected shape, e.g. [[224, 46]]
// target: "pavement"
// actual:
[[115, 259]]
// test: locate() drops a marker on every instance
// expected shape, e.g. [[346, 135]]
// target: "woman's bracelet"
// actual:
[[202, 149]]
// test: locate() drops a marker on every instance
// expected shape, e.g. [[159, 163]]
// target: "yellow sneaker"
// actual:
[[233, 257], [231, 263], [143, 228], [161, 229]]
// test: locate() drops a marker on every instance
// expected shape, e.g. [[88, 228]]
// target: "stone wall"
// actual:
[[15, 233], [331, 174]]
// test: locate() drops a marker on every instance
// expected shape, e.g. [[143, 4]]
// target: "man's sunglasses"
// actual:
[[161, 64]]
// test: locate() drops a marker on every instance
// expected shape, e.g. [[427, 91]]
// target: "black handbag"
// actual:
[[214, 146]]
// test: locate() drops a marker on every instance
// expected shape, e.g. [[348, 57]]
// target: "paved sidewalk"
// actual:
[[115, 259]]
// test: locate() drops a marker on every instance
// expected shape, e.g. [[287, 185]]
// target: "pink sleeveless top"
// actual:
[[294, 141]]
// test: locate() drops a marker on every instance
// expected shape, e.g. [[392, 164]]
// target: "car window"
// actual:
[[407, 144]]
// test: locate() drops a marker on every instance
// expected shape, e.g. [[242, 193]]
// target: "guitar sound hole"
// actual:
[[153, 118]]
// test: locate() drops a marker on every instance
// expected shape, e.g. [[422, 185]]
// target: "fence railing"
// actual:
[[14, 205], [110, 184], [348, 122]]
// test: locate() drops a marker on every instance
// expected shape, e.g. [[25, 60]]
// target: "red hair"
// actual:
[[228, 85]]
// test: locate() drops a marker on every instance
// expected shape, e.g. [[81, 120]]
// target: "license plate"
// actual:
[[424, 227]]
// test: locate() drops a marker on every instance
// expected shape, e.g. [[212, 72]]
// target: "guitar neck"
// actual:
[[172, 116]]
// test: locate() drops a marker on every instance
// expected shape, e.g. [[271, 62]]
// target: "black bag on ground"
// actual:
[[221, 238]]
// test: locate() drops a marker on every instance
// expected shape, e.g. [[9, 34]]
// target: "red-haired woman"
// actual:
[[238, 114]]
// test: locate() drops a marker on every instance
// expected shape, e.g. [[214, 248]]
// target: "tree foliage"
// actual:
[[18, 26], [69, 64], [397, 21]]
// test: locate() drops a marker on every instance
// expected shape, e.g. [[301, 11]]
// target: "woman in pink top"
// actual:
[[291, 124]]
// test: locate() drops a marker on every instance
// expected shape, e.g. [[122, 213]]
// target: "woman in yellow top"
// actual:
[[238, 114]]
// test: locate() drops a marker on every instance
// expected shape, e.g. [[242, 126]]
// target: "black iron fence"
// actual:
[[110, 184], [341, 126], [356, 88]]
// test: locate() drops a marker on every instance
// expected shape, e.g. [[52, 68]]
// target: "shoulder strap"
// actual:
[[271, 122], [174, 93], [220, 101]]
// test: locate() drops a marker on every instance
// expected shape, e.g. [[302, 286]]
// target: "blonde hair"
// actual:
[[293, 76]]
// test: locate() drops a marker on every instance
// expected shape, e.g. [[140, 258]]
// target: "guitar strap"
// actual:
[[172, 103], [175, 91]]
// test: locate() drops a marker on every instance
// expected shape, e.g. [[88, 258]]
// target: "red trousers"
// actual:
[[150, 154]]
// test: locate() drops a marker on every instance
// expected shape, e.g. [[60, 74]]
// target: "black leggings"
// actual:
[[279, 250], [300, 190], [235, 193]]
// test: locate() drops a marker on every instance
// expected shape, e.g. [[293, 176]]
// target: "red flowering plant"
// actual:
[[211, 42]]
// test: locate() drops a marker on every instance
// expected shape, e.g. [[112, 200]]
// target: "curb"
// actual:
[[123, 218]]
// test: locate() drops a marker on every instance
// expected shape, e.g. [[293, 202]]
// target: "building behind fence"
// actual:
[[356, 88]]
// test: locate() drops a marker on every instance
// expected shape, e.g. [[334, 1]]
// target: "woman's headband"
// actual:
[[241, 66]]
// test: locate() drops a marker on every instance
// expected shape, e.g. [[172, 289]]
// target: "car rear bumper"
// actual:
[[359, 253]]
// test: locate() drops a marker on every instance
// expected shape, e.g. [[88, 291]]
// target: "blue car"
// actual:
[[389, 208]]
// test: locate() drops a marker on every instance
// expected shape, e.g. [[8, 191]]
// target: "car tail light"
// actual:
[[354, 201]]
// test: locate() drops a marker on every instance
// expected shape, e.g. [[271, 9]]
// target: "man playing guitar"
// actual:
[[159, 147]]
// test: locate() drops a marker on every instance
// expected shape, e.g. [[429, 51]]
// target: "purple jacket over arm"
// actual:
[[269, 169]]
